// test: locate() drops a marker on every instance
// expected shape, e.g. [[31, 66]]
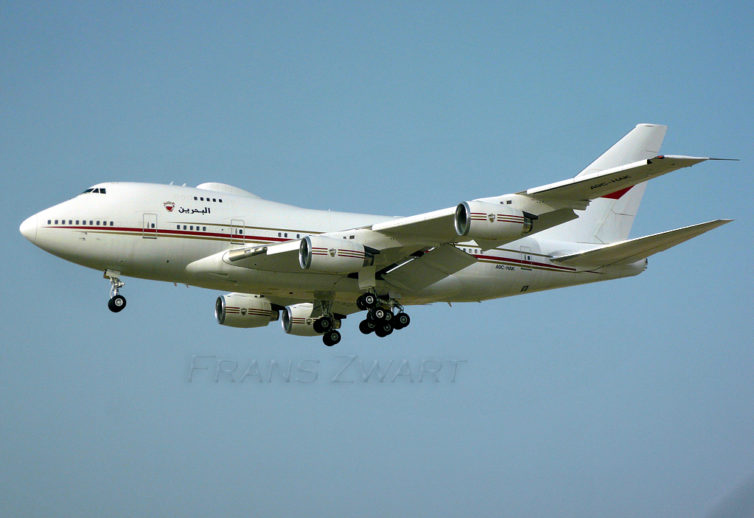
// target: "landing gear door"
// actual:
[[236, 232], [149, 228]]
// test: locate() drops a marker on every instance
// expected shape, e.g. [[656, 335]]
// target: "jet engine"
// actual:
[[323, 254], [297, 320], [244, 310], [491, 222]]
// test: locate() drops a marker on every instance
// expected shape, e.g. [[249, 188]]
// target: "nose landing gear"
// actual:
[[117, 301]]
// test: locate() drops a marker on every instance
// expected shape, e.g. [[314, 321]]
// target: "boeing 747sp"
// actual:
[[316, 267]]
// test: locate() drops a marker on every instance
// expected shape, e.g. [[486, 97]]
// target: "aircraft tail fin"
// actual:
[[609, 219], [627, 252]]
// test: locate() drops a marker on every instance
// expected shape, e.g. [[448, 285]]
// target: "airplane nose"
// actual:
[[28, 228]]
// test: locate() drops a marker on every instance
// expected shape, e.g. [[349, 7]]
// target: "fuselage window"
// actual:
[[220, 200], [204, 229], [191, 227], [49, 222], [91, 222], [201, 198], [97, 222], [240, 231], [112, 223], [70, 222], [195, 198], [214, 199], [152, 225], [77, 222], [184, 227], [56, 222]]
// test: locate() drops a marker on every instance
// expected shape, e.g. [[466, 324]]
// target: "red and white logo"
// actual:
[[169, 206]]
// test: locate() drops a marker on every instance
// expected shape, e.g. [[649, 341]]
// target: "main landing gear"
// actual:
[[117, 301], [326, 325], [380, 316]]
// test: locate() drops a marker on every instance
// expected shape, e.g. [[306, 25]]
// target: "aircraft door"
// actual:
[[149, 227], [236, 232]]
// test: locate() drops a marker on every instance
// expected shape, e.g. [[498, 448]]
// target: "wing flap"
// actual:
[[420, 272], [627, 252]]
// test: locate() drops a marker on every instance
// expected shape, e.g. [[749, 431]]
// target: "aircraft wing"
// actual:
[[609, 181], [632, 250], [552, 204]]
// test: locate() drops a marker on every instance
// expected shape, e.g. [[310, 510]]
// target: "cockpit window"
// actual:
[[98, 190]]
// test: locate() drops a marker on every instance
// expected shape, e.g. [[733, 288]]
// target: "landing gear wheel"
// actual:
[[383, 329], [366, 301], [378, 314], [331, 338], [116, 303], [367, 326], [322, 325], [401, 320]]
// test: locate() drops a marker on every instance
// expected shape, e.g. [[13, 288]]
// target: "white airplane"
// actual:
[[317, 267]]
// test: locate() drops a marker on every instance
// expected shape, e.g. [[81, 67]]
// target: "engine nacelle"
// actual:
[[323, 254], [244, 310], [297, 320], [491, 222]]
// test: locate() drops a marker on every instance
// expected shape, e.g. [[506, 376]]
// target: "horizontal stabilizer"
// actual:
[[627, 252]]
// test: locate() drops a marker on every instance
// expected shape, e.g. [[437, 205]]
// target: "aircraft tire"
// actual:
[[369, 300], [331, 338], [322, 325], [383, 329], [117, 303], [367, 326], [401, 320]]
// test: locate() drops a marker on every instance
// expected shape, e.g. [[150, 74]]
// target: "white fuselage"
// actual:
[[155, 231]]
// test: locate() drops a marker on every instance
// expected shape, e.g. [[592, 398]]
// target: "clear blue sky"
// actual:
[[629, 398]]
